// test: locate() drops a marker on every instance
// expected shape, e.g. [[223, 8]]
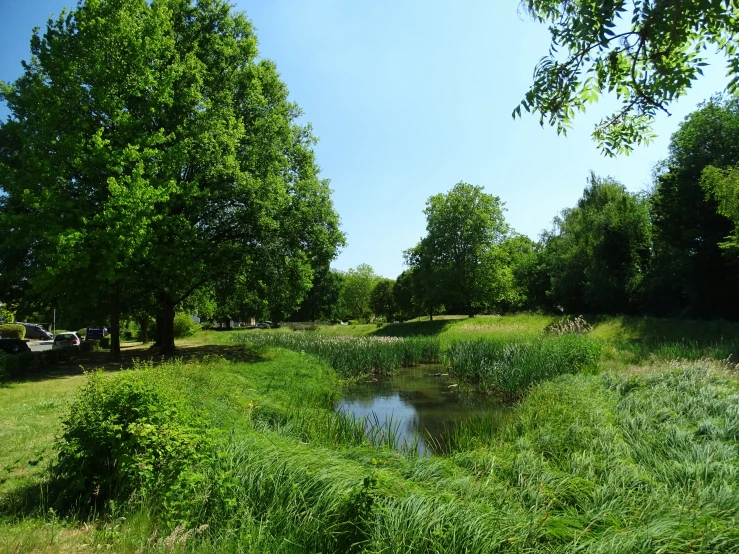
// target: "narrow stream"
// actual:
[[420, 402]]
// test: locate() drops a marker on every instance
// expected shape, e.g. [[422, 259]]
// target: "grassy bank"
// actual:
[[641, 460]]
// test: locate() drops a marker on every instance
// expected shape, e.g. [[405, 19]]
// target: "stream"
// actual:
[[420, 402]]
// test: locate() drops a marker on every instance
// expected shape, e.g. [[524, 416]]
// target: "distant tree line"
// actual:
[[670, 251]]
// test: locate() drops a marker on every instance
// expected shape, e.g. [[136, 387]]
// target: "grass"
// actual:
[[638, 460], [507, 366], [354, 356]]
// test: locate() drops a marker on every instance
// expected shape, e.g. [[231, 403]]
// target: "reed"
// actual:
[[355, 356], [507, 367]]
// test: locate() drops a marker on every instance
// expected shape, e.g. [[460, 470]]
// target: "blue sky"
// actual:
[[408, 98]]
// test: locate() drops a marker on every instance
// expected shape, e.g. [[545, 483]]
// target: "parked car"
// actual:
[[36, 331], [96, 333], [65, 340], [13, 346], [263, 325]]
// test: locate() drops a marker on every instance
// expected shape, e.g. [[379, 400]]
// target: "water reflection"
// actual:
[[421, 402]]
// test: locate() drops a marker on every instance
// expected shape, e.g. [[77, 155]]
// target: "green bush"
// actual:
[[90, 346], [3, 369], [105, 342], [82, 333], [134, 432], [184, 326], [12, 331], [27, 363]]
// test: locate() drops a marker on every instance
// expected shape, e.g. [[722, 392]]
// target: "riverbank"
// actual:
[[631, 460]]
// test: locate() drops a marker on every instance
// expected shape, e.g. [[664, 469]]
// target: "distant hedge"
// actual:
[[12, 331]]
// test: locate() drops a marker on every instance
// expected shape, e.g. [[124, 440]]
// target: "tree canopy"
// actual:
[[459, 259], [598, 252], [645, 52], [148, 148]]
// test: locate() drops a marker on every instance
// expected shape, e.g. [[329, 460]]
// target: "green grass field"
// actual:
[[639, 457]]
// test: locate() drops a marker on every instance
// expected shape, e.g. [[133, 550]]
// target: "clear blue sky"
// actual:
[[408, 98]]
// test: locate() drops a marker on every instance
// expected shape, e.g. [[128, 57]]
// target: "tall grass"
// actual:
[[354, 356], [509, 366]]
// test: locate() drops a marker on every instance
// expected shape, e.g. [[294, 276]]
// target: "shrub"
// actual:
[[82, 333], [183, 326], [90, 346], [105, 342], [3, 370], [131, 433], [27, 363], [12, 331]]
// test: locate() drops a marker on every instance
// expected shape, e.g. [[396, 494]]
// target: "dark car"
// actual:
[[96, 333], [36, 331], [13, 346]]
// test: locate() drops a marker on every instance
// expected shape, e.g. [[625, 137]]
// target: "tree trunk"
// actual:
[[144, 328], [167, 327], [115, 324], [160, 325]]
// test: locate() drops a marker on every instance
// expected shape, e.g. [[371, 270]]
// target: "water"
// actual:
[[419, 402]]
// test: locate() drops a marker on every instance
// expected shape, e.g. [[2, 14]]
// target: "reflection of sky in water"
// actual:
[[404, 415], [418, 401]]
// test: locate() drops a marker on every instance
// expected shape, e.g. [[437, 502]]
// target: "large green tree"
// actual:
[[460, 258], [150, 149], [598, 251], [382, 301], [647, 53], [357, 291], [323, 301], [691, 274]]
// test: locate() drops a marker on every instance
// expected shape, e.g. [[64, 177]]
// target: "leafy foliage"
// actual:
[[150, 153], [459, 262], [382, 300], [184, 326], [647, 53], [357, 291], [134, 432], [12, 331], [598, 252], [691, 275]]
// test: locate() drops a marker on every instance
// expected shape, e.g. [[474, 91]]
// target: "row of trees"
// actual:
[[151, 161], [670, 251]]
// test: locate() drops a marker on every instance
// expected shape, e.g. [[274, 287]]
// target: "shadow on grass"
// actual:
[[130, 355], [413, 329], [653, 330]]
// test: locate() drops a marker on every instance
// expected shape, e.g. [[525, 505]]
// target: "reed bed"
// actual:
[[355, 356], [507, 367]]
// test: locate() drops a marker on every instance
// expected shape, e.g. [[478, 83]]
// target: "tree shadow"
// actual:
[[132, 355], [413, 329], [652, 330]]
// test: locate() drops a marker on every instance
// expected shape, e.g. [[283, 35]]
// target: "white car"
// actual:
[[65, 340]]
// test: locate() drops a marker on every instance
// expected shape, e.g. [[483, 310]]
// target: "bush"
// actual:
[[184, 326], [27, 363], [131, 433], [82, 333], [12, 331], [3, 370], [90, 346], [105, 342]]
